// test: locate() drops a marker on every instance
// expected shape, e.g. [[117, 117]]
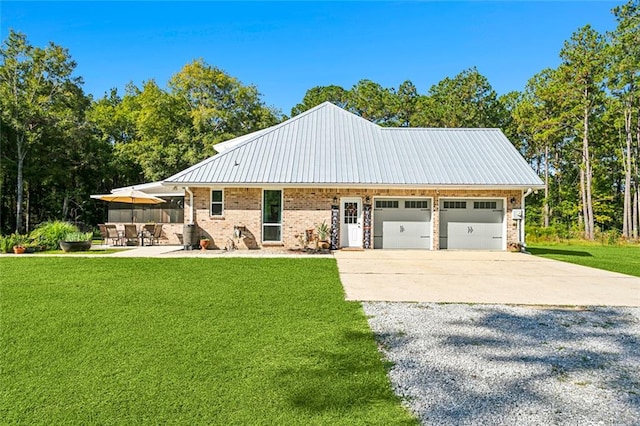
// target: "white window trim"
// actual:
[[272, 224], [211, 202]]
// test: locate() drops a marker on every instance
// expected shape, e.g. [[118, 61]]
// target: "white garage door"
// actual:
[[472, 224], [402, 223]]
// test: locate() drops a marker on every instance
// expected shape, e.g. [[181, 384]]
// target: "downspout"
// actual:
[[521, 232], [186, 188]]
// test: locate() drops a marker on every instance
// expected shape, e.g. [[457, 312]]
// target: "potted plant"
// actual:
[[323, 231], [18, 243], [204, 242], [76, 241], [515, 247]]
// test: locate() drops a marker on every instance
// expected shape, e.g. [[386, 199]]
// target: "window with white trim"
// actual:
[[455, 204], [416, 204], [386, 204], [272, 215], [217, 202], [489, 205]]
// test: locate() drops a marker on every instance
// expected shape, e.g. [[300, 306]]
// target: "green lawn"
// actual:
[[186, 341], [624, 259]]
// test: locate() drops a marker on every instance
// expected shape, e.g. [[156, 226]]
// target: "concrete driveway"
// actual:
[[479, 277]]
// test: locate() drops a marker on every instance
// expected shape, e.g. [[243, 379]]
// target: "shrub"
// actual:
[[48, 234], [7, 242], [611, 237], [77, 236]]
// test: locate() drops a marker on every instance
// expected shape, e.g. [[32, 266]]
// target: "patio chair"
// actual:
[[103, 232], [113, 235], [156, 234], [147, 233], [131, 234]]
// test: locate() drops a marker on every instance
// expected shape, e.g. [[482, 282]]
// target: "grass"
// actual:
[[186, 341], [88, 252], [623, 259]]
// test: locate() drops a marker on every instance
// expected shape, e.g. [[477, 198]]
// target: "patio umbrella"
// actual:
[[129, 196]]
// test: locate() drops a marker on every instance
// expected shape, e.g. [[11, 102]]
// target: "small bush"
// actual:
[[611, 237], [556, 232], [7, 242], [48, 234], [77, 236]]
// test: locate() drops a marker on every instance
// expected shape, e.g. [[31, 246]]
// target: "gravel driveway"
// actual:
[[510, 365]]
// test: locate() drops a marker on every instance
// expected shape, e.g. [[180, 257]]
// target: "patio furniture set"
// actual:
[[131, 234]]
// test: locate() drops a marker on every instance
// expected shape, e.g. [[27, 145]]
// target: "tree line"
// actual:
[[578, 125]]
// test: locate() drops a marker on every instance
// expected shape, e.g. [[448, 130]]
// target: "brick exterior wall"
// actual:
[[304, 208], [241, 208]]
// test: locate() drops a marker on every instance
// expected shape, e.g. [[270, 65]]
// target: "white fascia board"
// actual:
[[354, 186]]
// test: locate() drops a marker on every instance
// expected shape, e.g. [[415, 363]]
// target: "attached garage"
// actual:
[[402, 223], [468, 224]]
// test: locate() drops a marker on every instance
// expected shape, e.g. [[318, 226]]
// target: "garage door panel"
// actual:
[[406, 235], [474, 235], [416, 223], [469, 224]]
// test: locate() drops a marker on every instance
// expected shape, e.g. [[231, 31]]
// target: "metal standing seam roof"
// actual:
[[327, 145]]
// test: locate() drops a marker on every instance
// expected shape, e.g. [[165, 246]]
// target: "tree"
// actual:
[[157, 118], [35, 85], [114, 121], [582, 72], [624, 83], [467, 100], [407, 98], [157, 132], [319, 94], [537, 117], [220, 107], [372, 102]]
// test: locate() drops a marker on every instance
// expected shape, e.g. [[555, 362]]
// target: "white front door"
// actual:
[[351, 221]]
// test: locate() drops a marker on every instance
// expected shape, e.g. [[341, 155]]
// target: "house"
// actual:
[[377, 187]]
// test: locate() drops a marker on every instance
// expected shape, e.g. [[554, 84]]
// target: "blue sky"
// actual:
[[285, 48]]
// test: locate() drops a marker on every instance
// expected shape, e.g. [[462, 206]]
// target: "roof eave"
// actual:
[[518, 187]]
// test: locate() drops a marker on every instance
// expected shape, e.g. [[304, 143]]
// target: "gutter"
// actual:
[[188, 191], [521, 233]]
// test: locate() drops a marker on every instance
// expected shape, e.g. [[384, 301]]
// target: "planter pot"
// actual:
[[18, 249], [68, 246], [204, 244], [323, 245]]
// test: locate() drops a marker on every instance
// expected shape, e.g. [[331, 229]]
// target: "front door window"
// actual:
[[351, 229], [351, 213]]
